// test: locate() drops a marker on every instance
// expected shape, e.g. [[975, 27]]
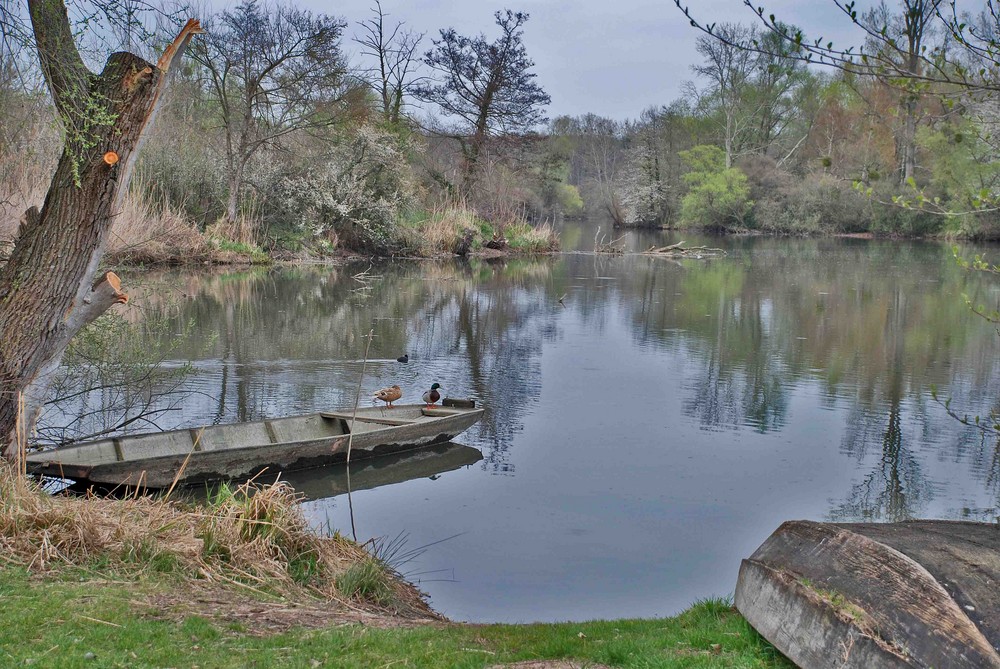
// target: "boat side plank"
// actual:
[[797, 622], [241, 463]]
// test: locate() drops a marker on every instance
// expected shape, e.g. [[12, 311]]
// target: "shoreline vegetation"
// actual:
[[243, 581]]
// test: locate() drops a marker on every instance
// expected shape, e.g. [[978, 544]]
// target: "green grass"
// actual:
[[254, 253], [70, 624]]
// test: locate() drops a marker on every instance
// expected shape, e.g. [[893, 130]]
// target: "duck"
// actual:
[[388, 395], [405, 358], [432, 396]]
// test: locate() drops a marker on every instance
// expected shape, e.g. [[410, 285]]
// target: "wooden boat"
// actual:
[[878, 596], [427, 462], [243, 450]]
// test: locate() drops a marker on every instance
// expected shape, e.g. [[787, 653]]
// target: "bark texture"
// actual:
[[47, 289]]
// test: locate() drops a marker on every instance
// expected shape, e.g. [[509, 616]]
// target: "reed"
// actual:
[[250, 535], [149, 230]]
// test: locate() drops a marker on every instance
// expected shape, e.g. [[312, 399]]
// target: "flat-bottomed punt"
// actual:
[[243, 450]]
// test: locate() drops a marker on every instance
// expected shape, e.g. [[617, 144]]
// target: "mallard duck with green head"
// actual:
[[432, 396]]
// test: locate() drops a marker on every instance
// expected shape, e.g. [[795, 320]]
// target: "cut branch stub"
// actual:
[[114, 284], [172, 54]]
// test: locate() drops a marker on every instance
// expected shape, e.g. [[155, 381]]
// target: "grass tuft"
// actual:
[[367, 581]]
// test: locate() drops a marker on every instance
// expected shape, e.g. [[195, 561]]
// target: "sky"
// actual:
[[609, 57]]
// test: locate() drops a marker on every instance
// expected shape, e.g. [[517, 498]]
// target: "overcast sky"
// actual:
[[609, 57]]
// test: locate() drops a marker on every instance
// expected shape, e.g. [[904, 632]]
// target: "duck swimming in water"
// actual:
[[388, 395], [432, 396]]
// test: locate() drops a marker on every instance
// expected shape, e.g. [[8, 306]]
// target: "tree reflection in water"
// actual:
[[867, 326]]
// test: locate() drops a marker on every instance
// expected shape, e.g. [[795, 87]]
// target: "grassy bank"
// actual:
[[156, 622], [243, 582]]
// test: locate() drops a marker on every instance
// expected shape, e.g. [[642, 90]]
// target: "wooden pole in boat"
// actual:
[[357, 396], [350, 436]]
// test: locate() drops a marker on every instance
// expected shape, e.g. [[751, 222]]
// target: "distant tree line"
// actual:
[[896, 136], [270, 139]]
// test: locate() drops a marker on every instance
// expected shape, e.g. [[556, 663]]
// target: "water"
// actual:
[[642, 436]]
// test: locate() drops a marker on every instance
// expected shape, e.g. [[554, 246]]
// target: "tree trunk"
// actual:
[[47, 293], [906, 148], [233, 199]]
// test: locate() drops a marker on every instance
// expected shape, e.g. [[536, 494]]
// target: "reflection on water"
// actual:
[[643, 434], [430, 462]]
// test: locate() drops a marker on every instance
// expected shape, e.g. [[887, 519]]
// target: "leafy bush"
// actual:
[[357, 196], [569, 200], [718, 197], [525, 237]]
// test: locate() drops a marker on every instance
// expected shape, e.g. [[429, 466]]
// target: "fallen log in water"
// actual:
[[679, 251], [914, 594]]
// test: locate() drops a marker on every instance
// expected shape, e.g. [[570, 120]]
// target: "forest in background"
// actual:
[[273, 144]]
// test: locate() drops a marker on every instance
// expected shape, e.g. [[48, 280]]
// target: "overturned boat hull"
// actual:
[[874, 596]]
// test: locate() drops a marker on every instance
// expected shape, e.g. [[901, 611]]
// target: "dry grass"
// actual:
[[20, 189], [147, 230], [251, 537], [151, 232], [446, 225]]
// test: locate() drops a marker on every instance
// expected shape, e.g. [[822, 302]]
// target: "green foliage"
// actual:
[[718, 197], [527, 238], [569, 200], [252, 251], [148, 554], [357, 197]]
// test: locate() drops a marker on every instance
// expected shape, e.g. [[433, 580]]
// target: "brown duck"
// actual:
[[388, 395]]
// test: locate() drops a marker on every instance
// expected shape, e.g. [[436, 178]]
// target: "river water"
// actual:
[[642, 435]]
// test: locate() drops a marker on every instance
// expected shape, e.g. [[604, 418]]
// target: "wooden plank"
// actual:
[[368, 419], [438, 412], [270, 432], [828, 597]]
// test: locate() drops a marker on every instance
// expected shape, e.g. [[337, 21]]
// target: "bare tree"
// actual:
[[749, 89], [729, 66], [907, 36], [395, 52], [272, 71], [487, 86], [597, 160], [47, 288]]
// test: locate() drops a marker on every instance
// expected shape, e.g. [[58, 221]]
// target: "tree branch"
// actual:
[[65, 73]]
